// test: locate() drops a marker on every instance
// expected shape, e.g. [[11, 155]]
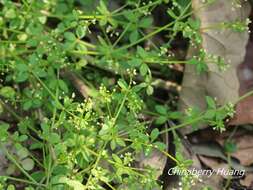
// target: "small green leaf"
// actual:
[[210, 102], [40, 72], [154, 134], [144, 69], [116, 159], [54, 138], [11, 187], [134, 36], [70, 36], [130, 16], [21, 77], [120, 142], [150, 90], [69, 45], [22, 67], [81, 64], [113, 144], [135, 62], [104, 130], [7, 92], [74, 184], [210, 114], [10, 13], [42, 19], [230, 147], [4, 131], [27, 104], [161, 146], [123, 85], [27, 164], [22, 138], [161, 120], [22, 153], [141, 52], [193, 61], [63, 85], [81, 31], [146, 22], [22, 37], [38, 175], [195, 24], [161, 109], [175, 115], [172, 14]]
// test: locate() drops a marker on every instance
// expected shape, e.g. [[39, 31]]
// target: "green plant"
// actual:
[[79, 87]]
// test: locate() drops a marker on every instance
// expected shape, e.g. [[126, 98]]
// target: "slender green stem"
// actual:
[[202, 115], [246, 95], [12, 42], [11, 158], [199, 118], [123, 101], [164, 152], [85, 17], [86, 44], [51, 94], [95, 165], [121, 35], [85, 52], [141, 8], [146, 37], [22, 181], [182, 16]]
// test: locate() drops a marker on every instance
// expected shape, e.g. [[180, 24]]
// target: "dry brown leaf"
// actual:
[[157, 160], [244, 109], [221, 42], [248, 181], [214, 164]]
